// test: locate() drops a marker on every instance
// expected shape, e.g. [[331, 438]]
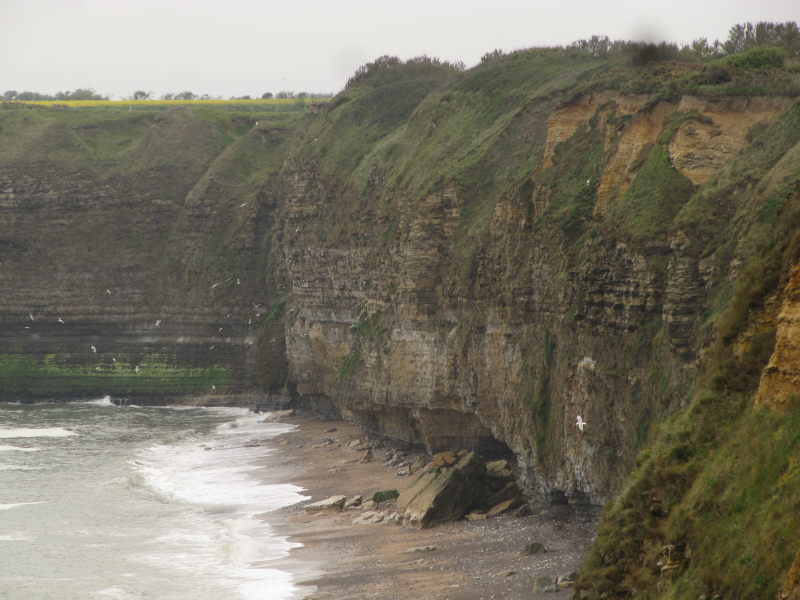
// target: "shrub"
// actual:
[[763, 57]]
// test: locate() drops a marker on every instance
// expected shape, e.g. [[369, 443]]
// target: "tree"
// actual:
[[9, 95], [140, 95], [185, 96], [266, 95]]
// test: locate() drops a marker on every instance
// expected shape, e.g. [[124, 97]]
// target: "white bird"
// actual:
[[113, 359], [243, 204], [94, 349], [158, 322], [238, 281], [108, 291], [31, 315], [215, 285], [220, 330], [580, 423], [249, 321], [256, 305], [60, 320], [136, 369], [213, 387]]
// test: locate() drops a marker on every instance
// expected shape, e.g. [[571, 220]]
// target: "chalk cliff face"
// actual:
[[133, 252], [451, 320]]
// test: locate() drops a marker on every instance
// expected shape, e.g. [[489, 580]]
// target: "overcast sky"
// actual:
[[237, 47]]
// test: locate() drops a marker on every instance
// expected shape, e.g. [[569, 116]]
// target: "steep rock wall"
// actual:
[[494, 322]]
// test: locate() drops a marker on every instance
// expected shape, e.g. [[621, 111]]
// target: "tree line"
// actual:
[[90, 94], [782, 38]]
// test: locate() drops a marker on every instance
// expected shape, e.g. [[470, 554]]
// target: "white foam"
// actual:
[[17, 504], [26, 432], [14, 538], [19, 448], [10, 467], [219, 534], [118, 593], [104, 401]]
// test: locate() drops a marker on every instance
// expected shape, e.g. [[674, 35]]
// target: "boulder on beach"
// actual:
[[334, 503], [440, 495]]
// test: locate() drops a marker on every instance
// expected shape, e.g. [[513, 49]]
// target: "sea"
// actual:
[[104, 501]]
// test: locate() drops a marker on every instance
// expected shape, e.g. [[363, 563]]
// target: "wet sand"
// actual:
[[472, 560]]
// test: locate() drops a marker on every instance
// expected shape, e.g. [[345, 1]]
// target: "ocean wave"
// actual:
[[28, 432], [18, 504], [8, 467], [18, 448], [104, 401]]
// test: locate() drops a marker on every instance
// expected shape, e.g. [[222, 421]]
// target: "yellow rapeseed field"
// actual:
[[157, 103]]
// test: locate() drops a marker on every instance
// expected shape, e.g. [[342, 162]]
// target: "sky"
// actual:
[[231, 48]]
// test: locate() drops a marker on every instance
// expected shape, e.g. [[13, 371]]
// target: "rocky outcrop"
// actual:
[[780, 380]]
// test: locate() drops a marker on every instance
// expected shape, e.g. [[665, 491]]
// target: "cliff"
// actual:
[[457, 259], [134, 251]]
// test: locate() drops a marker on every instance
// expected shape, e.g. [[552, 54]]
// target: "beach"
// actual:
[[463, 560]]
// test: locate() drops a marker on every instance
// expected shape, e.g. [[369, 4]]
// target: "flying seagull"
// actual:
[[580, 423]]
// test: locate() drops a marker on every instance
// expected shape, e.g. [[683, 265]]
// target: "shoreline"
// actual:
[[461, 560]]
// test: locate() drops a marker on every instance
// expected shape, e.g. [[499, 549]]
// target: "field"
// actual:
[[271, 104]]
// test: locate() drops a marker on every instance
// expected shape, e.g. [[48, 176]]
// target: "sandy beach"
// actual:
[[463, 560]]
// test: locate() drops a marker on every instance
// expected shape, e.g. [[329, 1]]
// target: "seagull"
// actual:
[[94, 349], [136, 369], [213, 387], [60, 320], [580, 423], [113, 359], [256, 305], [238, 281], [249, 321], [220, 330], [108, 291], [243, 204], [158, 322], [215, 285], [31, 315]]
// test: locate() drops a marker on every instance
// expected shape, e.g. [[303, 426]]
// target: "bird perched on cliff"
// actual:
[[31, 316], [580, 423], [94, 349], [108, 291], [60, 320], [158, 322]]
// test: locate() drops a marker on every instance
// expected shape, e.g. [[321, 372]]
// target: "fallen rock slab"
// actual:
[[333, 503]]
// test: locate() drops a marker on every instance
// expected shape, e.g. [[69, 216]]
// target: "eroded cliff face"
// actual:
[[493, 321], [132, 251]]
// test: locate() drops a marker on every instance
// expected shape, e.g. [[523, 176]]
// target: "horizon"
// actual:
[[251, 48]]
